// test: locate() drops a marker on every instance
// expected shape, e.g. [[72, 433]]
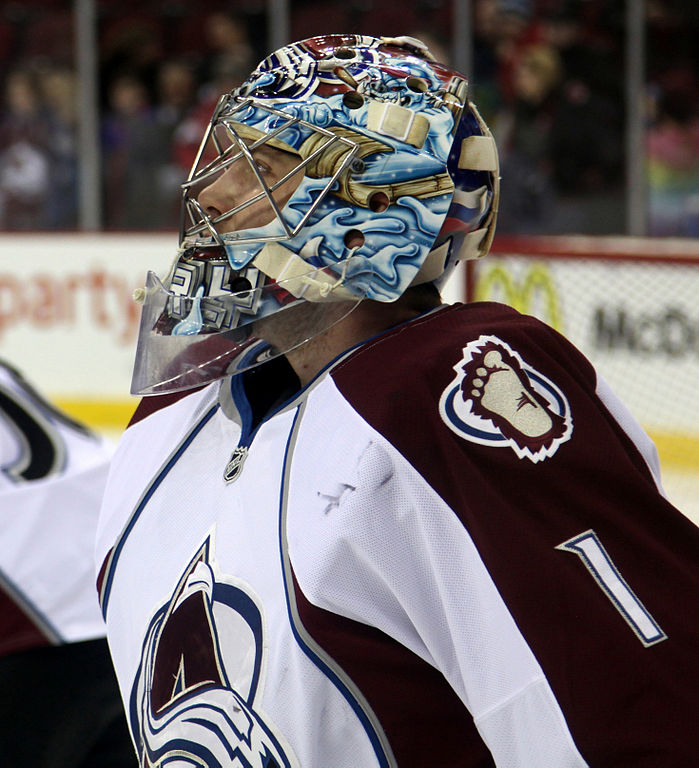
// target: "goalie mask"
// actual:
[[345, 168]]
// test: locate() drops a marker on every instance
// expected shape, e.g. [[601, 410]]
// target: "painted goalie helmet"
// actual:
[[345, 168]]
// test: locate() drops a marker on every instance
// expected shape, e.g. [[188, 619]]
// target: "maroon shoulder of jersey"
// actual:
[[499, 414], [152, 403]]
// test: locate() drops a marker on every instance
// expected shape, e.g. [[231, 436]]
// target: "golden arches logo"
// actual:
[[497, 283]]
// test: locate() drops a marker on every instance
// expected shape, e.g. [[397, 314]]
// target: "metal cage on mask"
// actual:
[[243, 143]]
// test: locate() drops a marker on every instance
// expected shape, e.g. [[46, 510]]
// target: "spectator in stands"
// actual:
[[523, 131], [223, 69], [24, 164], [227, 49], [517, 29], [132, 44], [131, 151], [503, 30], [587, 146], [176, 91], [485, 64], [58, 91], [175, 97]]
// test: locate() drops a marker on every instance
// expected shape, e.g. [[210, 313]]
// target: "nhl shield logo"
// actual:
[[497, 399], [235, 464]]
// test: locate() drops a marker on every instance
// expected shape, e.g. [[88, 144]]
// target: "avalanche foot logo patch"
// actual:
[[193, 702], [496, 399]]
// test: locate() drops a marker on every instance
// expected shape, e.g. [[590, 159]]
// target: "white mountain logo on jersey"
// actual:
[[192, 703], [497, 399]]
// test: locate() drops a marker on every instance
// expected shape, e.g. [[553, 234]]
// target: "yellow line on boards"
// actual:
[[100, 415], [677, 451]]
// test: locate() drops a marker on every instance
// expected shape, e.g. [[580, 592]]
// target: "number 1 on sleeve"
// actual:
[[590, 550]]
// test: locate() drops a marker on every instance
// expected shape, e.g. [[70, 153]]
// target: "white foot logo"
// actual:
[[497, 399]]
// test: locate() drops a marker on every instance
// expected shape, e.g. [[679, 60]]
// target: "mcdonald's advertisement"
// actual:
[[636, 320]]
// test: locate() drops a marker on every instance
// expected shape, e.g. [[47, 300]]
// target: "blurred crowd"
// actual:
[[547, 75], [159, 76], [551, 84]]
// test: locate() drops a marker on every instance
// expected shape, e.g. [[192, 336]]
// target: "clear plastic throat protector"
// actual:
[[186, 342]]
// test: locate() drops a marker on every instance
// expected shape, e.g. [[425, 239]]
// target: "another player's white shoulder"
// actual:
[[38, 442], [52, 474]]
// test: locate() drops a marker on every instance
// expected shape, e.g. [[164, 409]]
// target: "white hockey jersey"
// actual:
[[449, 549], [52, 476]]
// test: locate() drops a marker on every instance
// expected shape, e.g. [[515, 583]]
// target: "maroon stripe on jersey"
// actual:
[[17, 631], [424, 720], [626, 704], [103, 572], [153, 403]]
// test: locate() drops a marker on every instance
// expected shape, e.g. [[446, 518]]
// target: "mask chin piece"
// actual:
[[168, 359]]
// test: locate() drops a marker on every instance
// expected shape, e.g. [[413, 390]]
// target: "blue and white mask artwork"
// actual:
[[365, 169]]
